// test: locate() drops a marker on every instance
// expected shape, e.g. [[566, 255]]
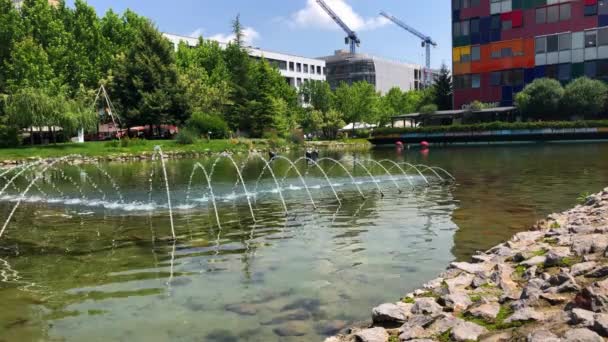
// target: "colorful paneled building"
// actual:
[[499, 46]]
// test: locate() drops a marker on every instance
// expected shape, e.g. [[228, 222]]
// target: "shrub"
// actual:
[[428, 109], [112, 143], [296, 136], [541, 99], [186, 136], [9, 136], [202, 124], [493, 126], [585, 97]]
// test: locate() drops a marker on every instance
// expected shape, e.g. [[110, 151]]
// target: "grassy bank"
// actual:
[[133, 147], [139, 147]]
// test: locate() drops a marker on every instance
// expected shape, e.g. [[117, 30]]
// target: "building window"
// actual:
[[495, 22], [319, 70], [474, 26], [541, 45], [518, 77], [299, 67], [455, 4], [552, 43], [324, 71], [602, 7], [590, 69], [465, 27], [475, 53], [565, 41], [602, 36], [306, 68], [552, 14], [591, 38], [602, 69], [457, 32], [506, 52], [476, 81], [507, 25], [564, 71], [590, 10], [551, 71], [541, 15], [495, 78], [465, 58], [565, 11], [291, 66]]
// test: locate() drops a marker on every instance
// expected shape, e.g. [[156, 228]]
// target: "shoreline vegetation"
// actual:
[[140, 149], [546, 284]]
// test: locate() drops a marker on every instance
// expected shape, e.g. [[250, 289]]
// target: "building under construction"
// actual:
[[384, 74]]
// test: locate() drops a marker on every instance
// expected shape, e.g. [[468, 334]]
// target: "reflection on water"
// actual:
[[69, 271]]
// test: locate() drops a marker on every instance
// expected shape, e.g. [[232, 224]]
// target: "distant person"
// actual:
[[315, 155], [308, 154], [272, 155]]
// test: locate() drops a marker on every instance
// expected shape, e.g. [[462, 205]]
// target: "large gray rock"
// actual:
[[487, 311], [415, 332], [502, 277], [598, 272], [542, 336], [457, 302], [600, 324], [461, 281], [292, 329], [533, 261], [582, 317], [594, 297], [478, 269], [426, 306], [525, 314], [372, 335], [467, 331], [582, 268], [443, 323], [391, 313], [587, 244], [582, 335]]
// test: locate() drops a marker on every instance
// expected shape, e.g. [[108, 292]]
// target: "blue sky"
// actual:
[[300, 27]]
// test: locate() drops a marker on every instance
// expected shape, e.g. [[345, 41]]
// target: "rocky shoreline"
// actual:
[[547, 284]]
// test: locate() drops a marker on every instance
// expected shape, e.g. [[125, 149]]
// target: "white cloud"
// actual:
[[250, 35], [314, 16]]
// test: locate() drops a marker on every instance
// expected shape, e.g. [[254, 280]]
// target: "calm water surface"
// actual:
[[78, 263]]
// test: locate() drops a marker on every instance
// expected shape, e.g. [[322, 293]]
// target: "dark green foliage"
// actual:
[[541, 100], [186, 136], [443, 89], [584, 97], [203, 124]]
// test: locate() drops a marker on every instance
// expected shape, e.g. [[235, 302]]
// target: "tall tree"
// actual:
[[28, 66], [358, 102], [145, 83], [238, 63], [443, 89], [11, 31]]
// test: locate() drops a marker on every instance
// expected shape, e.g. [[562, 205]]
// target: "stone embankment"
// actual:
[[547, 284]]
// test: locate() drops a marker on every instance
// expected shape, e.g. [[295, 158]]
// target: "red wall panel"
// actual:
[[483, 10], [531, 29]]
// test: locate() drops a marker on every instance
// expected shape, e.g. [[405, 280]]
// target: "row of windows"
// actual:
[[460, 4], [511, 78], [554, 14], [312, 69], [568, 41], [467, 81]]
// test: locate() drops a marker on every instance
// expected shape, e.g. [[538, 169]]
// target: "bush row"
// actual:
[[493, 126]]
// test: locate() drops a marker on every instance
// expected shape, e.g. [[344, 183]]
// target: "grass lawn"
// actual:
[[100, 149]]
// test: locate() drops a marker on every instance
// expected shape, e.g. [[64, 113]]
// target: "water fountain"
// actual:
[[38, 170]]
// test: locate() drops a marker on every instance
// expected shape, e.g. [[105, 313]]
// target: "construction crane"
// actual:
[[352, 39], [427, 41]]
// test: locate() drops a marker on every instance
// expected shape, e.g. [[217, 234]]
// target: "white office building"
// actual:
[[295, 69]]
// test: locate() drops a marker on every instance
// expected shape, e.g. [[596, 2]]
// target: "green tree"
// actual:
[[318, 94], [28, 66], [145, 82], [358, 103], [11, 31], [541, 99], [238, 63], [585, 97], [443, 89]]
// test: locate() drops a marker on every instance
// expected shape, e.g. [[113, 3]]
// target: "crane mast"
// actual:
[[352, 39], [427, 42]]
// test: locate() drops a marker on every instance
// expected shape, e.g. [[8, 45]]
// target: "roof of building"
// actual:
[[449, 113]]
